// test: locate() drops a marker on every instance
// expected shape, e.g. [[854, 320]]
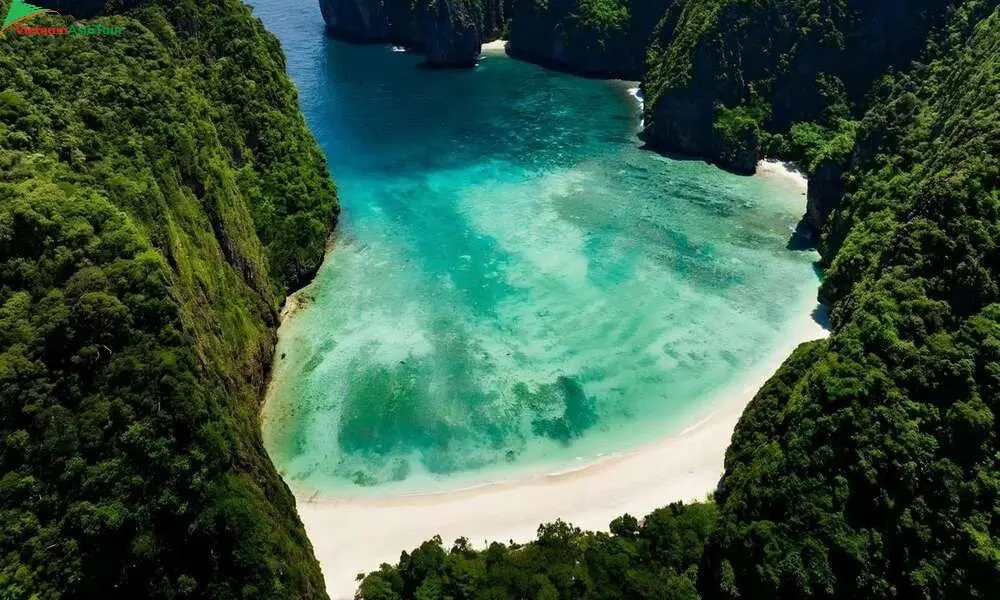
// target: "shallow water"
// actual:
[[515, 283]]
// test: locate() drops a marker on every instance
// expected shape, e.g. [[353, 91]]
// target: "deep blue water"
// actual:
[[515, 282]]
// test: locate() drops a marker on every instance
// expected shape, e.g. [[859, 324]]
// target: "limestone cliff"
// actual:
[[726, 74], [599, 38], [357, 20], [825, 189], [449, 32], [159, 195]]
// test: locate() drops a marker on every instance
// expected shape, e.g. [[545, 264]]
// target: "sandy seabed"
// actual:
[[351, 536]]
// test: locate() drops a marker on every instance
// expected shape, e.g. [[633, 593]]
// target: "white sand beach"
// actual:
[[770, 167], [356, 535], [496, 46]]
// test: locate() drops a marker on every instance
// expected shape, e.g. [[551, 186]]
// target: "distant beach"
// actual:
[[494, 46], [776, 168]]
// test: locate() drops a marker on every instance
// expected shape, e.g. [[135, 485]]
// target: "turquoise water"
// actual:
[[515, 283]]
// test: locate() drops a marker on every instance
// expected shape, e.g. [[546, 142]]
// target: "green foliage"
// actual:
[[807, 62], [811, 144], [604, 38], [670, 58], [604, 16], [738, 129], [868, 467], [654, 559], [159, 193]]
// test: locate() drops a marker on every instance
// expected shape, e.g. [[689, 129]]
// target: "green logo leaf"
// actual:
[[22, 10]]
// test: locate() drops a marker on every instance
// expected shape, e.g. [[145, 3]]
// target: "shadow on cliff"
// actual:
[[682, 157], [649, 143], [805, 237], [821, 315], [553, 64]]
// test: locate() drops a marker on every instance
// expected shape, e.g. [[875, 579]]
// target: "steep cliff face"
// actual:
[[357, 20], [495, 16], [826, 186], [726, 74], [159, 195], [452, 32], [868, 467], [600, 38], [449, 32]]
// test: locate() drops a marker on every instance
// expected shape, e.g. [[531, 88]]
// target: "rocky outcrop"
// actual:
[[452, 33], [357, 20], [449, 32], [598, 38], [495, 15], [686, 122], [826, 187], [172, 269], [721, 70]]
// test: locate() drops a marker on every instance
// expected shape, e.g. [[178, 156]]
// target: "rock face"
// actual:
[[186, 501], [357, 20], [452, 33], [495, 15], [598, 38], [825, 189], [449, 32], [724, 72]]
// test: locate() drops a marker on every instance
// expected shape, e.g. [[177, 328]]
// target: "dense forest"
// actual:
[[657, 558], [869, 465], [728, 79], [159, 196]]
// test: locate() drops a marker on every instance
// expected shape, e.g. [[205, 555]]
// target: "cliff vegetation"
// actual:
[[160, 194], [732, 79], [600, 38]]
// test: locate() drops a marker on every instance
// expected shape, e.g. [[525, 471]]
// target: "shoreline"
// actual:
[[772, 167], [293, 303], [493, 47], [354, 535]]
